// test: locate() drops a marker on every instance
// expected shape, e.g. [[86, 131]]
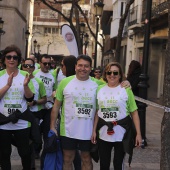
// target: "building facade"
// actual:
[[47, 25], [16, 17], [133, 39]]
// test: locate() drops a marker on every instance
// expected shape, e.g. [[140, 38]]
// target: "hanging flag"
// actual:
[[70, 39]]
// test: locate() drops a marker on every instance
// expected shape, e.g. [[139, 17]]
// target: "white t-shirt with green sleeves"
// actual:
[[79, 106], [114, 104], [13, 99], [50, 85], [37, 87]]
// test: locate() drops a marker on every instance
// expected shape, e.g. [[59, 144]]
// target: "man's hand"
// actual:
[[125, 84], [54, 130]]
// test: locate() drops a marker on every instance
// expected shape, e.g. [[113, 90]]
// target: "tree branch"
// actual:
[[85, 18], [54, 9]]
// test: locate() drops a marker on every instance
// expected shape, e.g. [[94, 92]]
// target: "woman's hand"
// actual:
[[125, 84], [27, 80], [138, 140], [10, 79], [93, 138]]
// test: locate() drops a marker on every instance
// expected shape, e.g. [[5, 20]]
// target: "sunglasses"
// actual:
[[8, 57], [97, 71], [28, 65], [115, 73], [45, 64]]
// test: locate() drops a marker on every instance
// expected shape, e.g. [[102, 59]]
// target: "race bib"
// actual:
[[10, 108], [84, 110], [110, 114]]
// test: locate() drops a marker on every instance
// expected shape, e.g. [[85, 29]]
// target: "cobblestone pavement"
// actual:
[[143, 159]]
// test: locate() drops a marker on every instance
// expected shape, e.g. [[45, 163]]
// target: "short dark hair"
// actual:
[[30, 60], [69, 62], [107, 68], [26, 60], [44, 56], [9, 49], [84, 57]]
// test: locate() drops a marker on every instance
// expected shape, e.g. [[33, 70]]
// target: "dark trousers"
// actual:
[[22, 141], [45, 129], [105, 149]]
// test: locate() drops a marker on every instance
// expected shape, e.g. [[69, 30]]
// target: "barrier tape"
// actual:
[[166, 109]]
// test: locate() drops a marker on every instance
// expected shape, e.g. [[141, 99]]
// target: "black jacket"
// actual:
[[28, 116], [129, 136], [134, 81]]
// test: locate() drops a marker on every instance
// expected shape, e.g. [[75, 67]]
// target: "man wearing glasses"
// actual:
[[50, 85]]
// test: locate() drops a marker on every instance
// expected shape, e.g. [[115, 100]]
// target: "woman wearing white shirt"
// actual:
[[115, 105], [14, 94]]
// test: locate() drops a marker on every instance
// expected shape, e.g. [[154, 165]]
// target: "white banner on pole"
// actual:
[[70, 39]]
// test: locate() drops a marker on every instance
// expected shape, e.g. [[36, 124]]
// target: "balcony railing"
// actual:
[[133, 16], [157, 9]]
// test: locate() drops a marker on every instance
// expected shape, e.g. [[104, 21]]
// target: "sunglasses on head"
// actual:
[[97, 71], [115, 73], [45, 64], [28, 65], [8, 57]]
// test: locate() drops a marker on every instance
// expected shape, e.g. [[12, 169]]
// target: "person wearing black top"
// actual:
[[134, 72]]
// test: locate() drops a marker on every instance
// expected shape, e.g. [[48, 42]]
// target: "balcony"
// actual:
[[133, 16], [157, 9], [160, 9], [134, 20]]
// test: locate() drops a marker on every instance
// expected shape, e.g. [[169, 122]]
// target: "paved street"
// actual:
[[143, 159]]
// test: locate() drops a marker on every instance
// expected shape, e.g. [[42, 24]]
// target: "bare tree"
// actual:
[[76, 8], [165, 126], [74, 13]]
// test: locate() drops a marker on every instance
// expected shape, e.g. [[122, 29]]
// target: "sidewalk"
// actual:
[[143, 159]]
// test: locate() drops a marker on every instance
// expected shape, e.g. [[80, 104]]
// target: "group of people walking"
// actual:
[[91, 111]]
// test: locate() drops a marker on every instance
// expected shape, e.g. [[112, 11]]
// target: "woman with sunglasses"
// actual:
[[14, 95], [113, 120], [36, 106], [37, 88]]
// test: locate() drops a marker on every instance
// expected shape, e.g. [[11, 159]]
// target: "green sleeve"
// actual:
[[35, 72], [131, 104], [31, 86], [98, 89], [42, 91], [55, 82], [59, 93]]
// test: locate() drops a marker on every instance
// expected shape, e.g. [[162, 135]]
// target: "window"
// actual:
[[49, 14], [50, 30], [121, 10], [66, 12]]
